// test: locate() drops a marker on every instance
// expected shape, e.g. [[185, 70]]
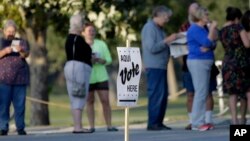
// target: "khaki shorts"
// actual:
[[80, 72]]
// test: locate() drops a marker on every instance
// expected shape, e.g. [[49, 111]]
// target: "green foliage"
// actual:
[[8, 11], [38, 14], [116, 20], [56, 53]]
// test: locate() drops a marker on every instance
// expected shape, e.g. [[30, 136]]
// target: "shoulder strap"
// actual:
[[1, 43], [74, 47]]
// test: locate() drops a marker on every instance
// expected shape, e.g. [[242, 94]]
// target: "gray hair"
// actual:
[[9, 23], [199, 14], [161, 9], [76, 24]]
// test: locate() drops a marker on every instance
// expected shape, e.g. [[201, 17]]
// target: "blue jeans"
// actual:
[[15, 94], [157, 89]]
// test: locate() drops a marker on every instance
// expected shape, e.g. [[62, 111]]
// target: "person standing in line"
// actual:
[[246, 24], [156, 53], [200, 59], [99, 77], [77, 70], [234, 41], [187, 79], [14, 78]]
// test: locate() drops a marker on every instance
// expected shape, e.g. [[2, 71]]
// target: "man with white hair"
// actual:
[[14, 78], [156, 53]]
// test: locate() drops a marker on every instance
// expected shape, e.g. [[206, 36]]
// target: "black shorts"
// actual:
[[99, 86]]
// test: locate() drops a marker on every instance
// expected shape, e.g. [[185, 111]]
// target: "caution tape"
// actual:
[[48, 103], [68, 107]]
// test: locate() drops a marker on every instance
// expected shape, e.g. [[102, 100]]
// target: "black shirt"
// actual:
[[82, 49]]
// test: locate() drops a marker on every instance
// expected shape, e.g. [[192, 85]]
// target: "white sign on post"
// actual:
[[128, 76]]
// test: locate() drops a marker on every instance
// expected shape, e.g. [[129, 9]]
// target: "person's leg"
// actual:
[[209, 109], [157, 96], [190, 98], [189, 103], [19, 98], [104, 98], [188, 85], [248, 101], [77, 119], [163, 89], [243, 111], [77, 103], [5, 101], [233, 108], [200, 72], [76, 107], [91, 109], [210, 100]]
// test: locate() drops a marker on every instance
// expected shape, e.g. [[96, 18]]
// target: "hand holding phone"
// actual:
[[14, 45]]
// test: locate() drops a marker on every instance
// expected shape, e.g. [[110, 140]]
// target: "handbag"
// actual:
[[78, 88]]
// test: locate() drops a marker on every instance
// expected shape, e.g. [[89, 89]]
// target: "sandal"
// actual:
[[92, 130], [82, 131], [112, 129], [188, 127]]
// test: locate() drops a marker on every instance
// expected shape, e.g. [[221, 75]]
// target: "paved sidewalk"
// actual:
[[136, 133], [222, 121]]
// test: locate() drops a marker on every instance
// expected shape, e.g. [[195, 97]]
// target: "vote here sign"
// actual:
[[128, 76]]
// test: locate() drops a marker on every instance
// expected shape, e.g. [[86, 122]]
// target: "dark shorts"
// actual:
[[99, 86], [188, 84]]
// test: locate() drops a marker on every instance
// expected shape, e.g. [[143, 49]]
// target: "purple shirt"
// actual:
[[14, 70]]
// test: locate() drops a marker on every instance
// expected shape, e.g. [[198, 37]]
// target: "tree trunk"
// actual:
[[39, 77]]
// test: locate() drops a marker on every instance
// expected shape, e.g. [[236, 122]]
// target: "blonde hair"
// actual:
[[199, 14]]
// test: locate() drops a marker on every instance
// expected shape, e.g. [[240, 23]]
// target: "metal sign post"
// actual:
[[126, 131]]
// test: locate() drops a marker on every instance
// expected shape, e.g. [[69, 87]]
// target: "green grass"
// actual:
[[61, 116]]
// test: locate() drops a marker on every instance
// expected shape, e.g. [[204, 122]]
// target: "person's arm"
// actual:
[[24, 54], [106, 60], [149, 36], [23, 49], [244, 38], [212, 36], [172, 37], [200, 36], [5, 51], [206, 49], [213, 32], [107, 56]]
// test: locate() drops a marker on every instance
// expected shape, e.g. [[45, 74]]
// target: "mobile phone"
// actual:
[[15, 43]]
